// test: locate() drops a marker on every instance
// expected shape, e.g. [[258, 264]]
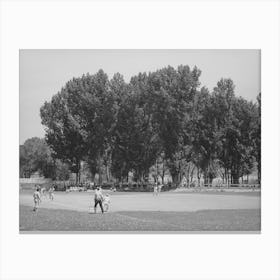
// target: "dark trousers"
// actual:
[[96, 202]]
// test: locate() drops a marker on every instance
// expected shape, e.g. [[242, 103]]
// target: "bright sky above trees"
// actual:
[[44, 72]]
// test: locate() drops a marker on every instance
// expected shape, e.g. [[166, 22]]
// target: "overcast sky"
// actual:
[[44, 72]]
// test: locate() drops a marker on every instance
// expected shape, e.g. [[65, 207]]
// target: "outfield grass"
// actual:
[[170, 211], [168, 201], [205, 220]]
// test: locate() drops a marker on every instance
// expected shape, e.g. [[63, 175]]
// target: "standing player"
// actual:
[[51, 192], [155, 189], [37, 187], [159, 187], [36, 198], [106, 202], [98, 199], [43, 192]]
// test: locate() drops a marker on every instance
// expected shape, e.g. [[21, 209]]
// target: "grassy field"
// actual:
[[206, 220], [144, 212]]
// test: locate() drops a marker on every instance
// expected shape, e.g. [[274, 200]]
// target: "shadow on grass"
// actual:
[[206, 220]]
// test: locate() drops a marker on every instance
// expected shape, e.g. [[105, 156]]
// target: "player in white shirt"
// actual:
[[106, 202], [36, 198], [155, 189], [51, 192], [159, 187], [43, 192]]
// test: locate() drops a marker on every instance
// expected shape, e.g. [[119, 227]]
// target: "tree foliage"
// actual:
[[35, 155], [158, 117]]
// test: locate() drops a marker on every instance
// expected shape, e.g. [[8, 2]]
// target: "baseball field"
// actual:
[[143, 212]]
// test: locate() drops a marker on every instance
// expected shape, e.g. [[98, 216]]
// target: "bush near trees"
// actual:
[[35, 155], [160, 122]]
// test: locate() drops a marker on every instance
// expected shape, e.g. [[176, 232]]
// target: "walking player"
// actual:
[[98, 199]]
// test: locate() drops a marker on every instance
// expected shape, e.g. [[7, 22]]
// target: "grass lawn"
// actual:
[[205, 220]]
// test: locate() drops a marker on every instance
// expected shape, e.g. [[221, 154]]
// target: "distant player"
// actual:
[[155, 189], [36, 198], [43, 192], [98, 199], [37, 187], [159, 187], [106, 202], [51, 192]]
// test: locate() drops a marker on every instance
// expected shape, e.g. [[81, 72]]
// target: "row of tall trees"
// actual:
[[158, 118]]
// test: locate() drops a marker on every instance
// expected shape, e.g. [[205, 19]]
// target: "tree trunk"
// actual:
[[205, 175], [235, 178], [77, 178], [259, 173], [163, 172], [198, 177], [156, 172], [162, 177], [54, 170], [192, 174], [78, 167], [99, 171], [180, 173], [175, 177], [107, 173]]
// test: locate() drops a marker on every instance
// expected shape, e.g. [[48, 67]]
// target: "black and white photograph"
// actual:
[[139, 140]]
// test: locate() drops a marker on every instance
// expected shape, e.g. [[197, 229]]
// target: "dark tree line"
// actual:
[[158, 118]]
